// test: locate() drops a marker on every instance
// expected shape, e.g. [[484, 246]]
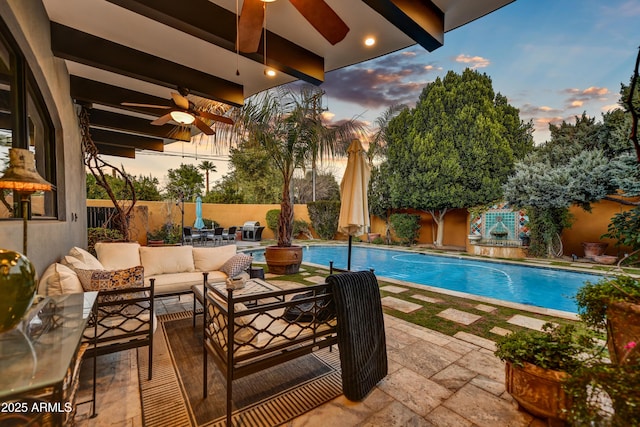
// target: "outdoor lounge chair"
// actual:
[[216, 236], [190, 235]]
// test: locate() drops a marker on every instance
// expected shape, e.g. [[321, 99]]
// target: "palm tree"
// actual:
[[378, 142], [207, 167], [288, 126]]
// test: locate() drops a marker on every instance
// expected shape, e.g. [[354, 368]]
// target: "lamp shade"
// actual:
[[21, 175]]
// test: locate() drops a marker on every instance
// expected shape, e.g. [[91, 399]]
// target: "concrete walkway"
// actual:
[[433, 380]]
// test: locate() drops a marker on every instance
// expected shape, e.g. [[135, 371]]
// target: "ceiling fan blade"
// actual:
[[162, 120], [250, 26], [203, 126], [323, 19], [216, 117], [135, 104], [180, 100]]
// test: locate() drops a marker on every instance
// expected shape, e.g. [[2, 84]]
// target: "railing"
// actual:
[[98, 216]]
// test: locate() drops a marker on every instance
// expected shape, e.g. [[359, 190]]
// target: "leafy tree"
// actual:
[[326, 187], [379, 140], [454, 149], [225, 191], [380, 196], [185, 181], [254, 175], [406, 227], [207, 167], [324, 217]]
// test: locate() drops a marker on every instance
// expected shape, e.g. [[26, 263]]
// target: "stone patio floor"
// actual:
[[433, 380]]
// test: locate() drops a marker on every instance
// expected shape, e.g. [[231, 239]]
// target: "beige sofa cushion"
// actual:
[[211, 259], [58, 279], [166, 259], [118, 255], [88, 259]]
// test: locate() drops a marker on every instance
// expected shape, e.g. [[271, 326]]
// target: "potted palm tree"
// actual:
[[289, 126]]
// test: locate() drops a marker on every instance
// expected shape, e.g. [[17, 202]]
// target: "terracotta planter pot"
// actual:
[[623, 326], [594, 249], [283, 260], [538, 391]]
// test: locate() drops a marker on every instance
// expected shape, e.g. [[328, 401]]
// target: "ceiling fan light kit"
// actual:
[[182, 118]]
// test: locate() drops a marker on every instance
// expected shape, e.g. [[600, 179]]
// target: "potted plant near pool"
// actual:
[[613, 304], [290, 128], [538, 363]]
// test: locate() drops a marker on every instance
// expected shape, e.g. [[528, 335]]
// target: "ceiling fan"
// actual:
[[319, 14], [184, 112]]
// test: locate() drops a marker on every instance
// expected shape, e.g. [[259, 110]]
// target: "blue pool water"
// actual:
[[542, 287]]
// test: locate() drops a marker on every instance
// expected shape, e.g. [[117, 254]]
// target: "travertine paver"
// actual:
[[393, 289], [395, 415], [527, 322], [582, 265], [306, 273], [426, 299], [444, 417], [400, 305], [500, 331], [459, 316], [488, 384], [423, 358], [315, 279], [484, 409], [454, 377], [418, 393], [485, 308], [474, 339], [484, 364]]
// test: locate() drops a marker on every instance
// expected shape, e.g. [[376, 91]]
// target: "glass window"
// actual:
[[21, 105]]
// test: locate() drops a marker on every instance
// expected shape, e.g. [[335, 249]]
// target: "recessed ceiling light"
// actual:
[[269, 72], [369, 41]]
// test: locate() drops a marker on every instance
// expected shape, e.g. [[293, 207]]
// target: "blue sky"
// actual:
[[552, 59]]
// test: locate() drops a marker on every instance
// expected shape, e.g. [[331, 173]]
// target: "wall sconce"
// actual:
[[22, 177]]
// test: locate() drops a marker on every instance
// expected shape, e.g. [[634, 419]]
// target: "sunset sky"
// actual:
[[553, 59]]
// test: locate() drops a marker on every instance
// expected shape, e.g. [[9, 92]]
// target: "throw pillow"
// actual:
[[211, 259], [118, 255], [86, 257], [166, 259], [107, 280], [236, 265], [58, 279]]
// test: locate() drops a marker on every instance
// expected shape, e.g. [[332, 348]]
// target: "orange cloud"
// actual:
[[475, 61]]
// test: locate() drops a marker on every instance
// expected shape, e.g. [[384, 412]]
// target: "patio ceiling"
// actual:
[[140, 51]]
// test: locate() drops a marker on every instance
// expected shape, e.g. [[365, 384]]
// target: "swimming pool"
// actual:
[[542, 287]]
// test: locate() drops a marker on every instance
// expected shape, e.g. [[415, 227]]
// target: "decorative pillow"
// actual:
[[166, 259], [118, 255], [211, 259], [58, 279], [86, 257], [76, 264], [107, 280], [236, 265]]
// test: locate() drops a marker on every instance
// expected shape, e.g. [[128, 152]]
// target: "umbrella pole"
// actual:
[[349, 255]]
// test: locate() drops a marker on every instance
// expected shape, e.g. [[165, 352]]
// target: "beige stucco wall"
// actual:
[[49, 239]]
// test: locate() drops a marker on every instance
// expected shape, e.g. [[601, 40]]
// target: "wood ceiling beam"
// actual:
[[74, 45], [112, 150], [215, 24], [129, 124], [423, 21], [120, 139], [93, 92]]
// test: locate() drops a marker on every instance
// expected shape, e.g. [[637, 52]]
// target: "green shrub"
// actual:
[[272, 221], [210, 223], [168, 233], [378, 241], [324, 217], [406, 227], [625, 229], [301, 226], [99, 234]]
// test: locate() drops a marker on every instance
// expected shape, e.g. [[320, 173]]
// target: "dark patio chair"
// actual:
[[229, 235], [190, 235], [216, 236]]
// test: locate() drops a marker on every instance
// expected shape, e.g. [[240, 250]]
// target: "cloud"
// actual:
[[578, 97], [393, 79], [473, 61], [529, 110], [610, 107]]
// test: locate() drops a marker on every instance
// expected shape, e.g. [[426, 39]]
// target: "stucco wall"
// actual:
[[49, 239]]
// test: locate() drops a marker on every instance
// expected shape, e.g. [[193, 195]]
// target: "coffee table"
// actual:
[[255, 286]]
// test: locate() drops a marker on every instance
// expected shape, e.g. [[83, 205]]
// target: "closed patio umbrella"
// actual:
[[354, 205], [199, 224]]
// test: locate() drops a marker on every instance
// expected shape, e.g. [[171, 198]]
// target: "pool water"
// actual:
[[542, 287]]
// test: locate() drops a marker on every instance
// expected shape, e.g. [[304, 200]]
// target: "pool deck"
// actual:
[[433, 380]]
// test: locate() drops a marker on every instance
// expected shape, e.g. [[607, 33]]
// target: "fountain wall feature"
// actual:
[[499, 230]]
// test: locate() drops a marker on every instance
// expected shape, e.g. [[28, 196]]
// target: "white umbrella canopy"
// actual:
[[354, 204]]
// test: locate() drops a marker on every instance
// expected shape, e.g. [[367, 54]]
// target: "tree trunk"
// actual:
[[285, 222], [438, 218]]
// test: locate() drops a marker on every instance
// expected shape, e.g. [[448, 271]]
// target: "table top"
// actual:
[[38, 352], [251, 287]]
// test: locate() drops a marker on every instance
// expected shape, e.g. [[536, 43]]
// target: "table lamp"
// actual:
[[22, 176]]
